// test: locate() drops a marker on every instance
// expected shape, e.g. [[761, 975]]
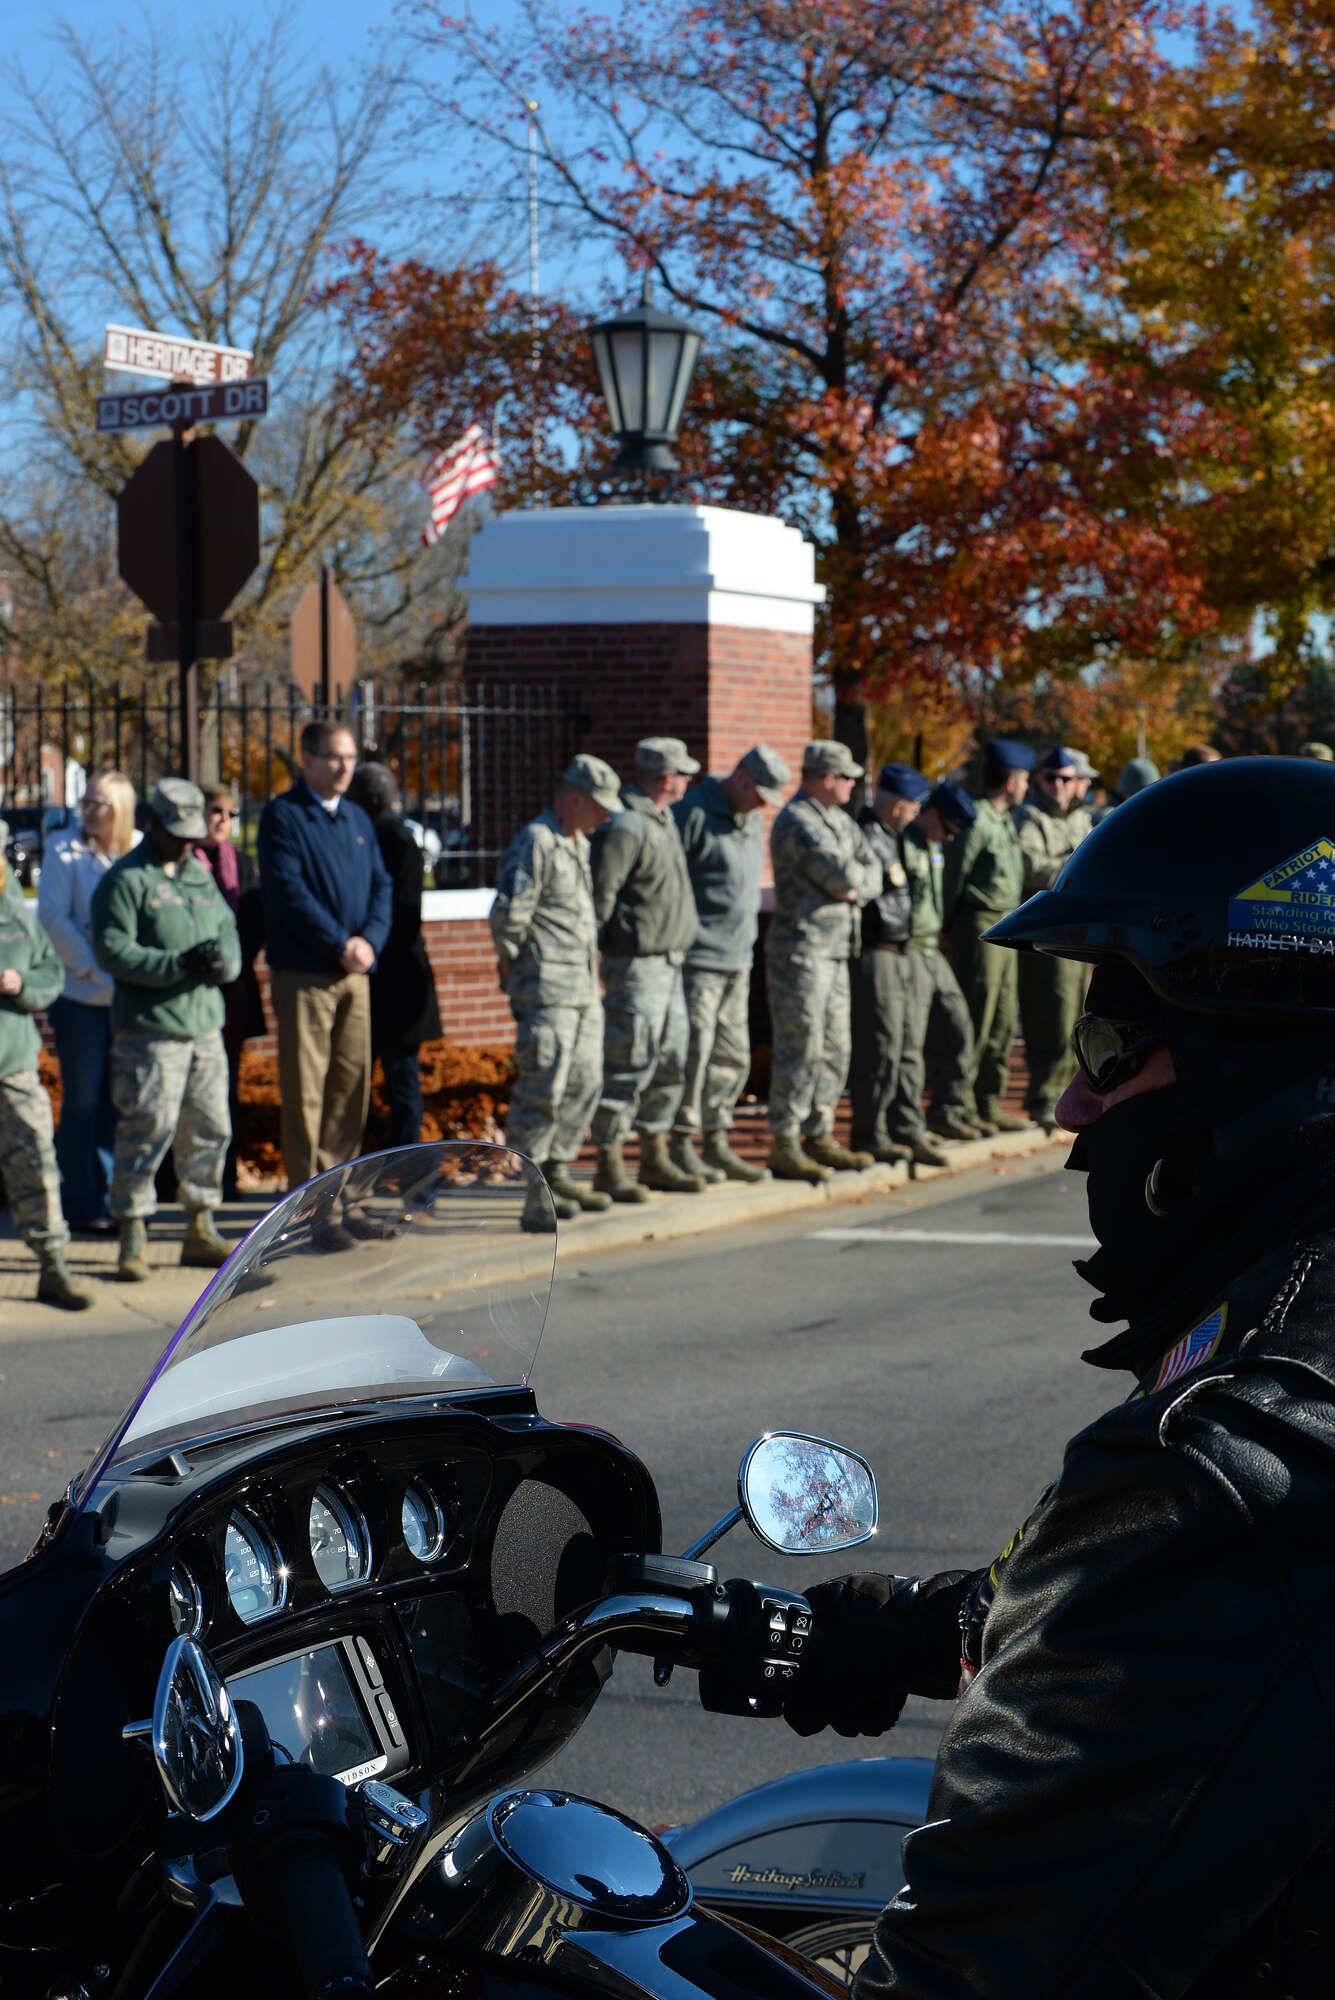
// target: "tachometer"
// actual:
[[255, 1582], [423, 1523], [339, 1541]]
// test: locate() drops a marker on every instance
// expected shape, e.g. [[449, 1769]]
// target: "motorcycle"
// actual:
[[330, 1588]]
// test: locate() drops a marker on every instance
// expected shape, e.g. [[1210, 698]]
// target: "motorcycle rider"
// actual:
[[1146, 1674]]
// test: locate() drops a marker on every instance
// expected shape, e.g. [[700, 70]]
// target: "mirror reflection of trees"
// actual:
[[807, 1495]]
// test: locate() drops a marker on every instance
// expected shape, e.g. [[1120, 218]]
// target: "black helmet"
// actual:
[[1216, 885]]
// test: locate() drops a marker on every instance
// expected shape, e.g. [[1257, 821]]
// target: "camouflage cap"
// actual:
[[1081, 764], [828, 759], [660, 756], [1321, 751], [767, 771], [178, 807], [598, 781]]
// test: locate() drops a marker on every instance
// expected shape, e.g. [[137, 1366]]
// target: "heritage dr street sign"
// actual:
[[213, 404], [140, 351]]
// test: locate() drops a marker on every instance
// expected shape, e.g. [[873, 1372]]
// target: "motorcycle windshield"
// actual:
[[419, 1273]]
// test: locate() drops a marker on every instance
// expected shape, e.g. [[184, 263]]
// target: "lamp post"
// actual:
[[645, 361]]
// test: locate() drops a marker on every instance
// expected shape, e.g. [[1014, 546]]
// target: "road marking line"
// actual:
[[891, 1233]]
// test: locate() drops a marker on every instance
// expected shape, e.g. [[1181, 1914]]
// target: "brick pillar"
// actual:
[[670, 621]]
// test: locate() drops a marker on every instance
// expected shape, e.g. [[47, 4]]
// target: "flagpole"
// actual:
[[535, 362]]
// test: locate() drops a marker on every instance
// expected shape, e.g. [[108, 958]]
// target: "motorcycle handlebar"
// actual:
[[308, 1886], [640, 1621]]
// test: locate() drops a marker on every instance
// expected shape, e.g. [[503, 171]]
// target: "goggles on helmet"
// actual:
[[1110, 1052]]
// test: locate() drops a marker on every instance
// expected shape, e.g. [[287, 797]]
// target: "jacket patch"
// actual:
[[1193, 1350], [1295, 897]]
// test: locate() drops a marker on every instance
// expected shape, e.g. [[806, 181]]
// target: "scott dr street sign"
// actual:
[[140, 351], [213, 405]]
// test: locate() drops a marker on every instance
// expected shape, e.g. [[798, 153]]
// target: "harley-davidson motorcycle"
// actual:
[[332, 1585]]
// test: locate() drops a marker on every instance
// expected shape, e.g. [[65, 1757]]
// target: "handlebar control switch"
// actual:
[[393, 1827], [758, 1652]]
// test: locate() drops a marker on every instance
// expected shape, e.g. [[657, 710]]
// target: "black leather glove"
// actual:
[[205, 961], [874, 1641]]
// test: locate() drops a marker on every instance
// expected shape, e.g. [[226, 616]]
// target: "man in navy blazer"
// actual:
[[327, 904]]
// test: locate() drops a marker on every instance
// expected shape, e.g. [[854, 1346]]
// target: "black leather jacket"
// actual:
[[1135, 1796]]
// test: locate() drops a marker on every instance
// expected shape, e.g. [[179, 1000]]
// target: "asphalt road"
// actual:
[[951, 1363]]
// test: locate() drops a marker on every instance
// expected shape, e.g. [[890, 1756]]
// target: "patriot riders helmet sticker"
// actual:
[[1294, 899]]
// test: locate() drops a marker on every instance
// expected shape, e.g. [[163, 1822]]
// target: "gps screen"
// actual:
[[311, 1711]]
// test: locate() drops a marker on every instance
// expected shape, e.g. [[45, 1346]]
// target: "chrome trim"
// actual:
[[425, 1491], [330, 1491], [193, 1595], [718, 1531]]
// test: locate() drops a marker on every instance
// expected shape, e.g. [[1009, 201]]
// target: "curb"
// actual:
[[676, 1217]]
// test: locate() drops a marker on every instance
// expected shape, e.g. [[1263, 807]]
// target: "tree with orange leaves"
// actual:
[[883, 214]]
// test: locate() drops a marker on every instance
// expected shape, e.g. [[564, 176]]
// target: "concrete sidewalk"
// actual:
[[168, 1294]]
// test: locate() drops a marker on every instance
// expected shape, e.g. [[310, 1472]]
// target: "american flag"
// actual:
[[1193, 1348], [462, 468]]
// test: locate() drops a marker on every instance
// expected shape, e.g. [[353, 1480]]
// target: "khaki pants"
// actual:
[[324, 1067]]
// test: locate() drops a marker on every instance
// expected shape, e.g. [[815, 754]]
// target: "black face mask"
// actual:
[[1139, 1252]]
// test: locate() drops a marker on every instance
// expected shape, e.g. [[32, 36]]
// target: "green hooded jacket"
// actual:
[[143, 920]]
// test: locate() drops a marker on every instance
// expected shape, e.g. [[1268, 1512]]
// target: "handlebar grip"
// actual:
[[309, 1888]]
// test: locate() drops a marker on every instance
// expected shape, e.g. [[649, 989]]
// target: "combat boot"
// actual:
[[928, 1155], [132, 1264], [544, 1208], [657, 1170], [889, 1155], [682, 1153], [55, 1286], [202, 1248], [1006, 1121], [716, 1152], [561, 1181], [787, 1162], [951, 1125], [610, 1176], [825, 1148]]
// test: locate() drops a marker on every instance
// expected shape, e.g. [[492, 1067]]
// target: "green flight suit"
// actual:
[[984, 881], [1052, 990]]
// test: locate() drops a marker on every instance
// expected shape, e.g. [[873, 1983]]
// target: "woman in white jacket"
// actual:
[[72, 866]]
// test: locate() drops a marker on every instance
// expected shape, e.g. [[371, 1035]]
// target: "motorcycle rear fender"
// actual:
[[825, 1840]]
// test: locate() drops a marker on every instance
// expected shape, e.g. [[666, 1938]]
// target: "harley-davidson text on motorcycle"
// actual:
[[328, 1590]]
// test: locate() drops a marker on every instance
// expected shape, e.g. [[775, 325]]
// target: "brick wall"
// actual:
[[719, 687]]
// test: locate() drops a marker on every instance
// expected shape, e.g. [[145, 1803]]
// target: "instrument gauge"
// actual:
[[185, 1605], [256, 1582], [340, 1544], [423, 1523]]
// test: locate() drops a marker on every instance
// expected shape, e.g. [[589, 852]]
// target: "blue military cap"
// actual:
[[1059, 758], [904, 782], [953, 805], [1000, 759]]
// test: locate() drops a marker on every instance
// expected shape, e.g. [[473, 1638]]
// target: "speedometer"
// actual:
[[423, 1522], [255, 1581], [340, 1544]]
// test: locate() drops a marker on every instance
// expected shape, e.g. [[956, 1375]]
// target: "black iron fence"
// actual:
[[472, 763]]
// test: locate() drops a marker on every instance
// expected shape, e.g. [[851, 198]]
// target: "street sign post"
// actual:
[[324, 640], [216, 403], [188, 537], [140, 351]]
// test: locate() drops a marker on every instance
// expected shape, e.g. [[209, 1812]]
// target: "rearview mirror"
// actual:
[[805, 1496], [194, 1734]]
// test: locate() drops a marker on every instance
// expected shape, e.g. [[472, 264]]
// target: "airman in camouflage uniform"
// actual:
[[947, 1052], [824, 871], [546, 938], [169, 941], [646, 920], [984, 880], [31, 976], [1051, 824]]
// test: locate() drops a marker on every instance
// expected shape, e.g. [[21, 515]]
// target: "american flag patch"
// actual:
[[1193, 1349]]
